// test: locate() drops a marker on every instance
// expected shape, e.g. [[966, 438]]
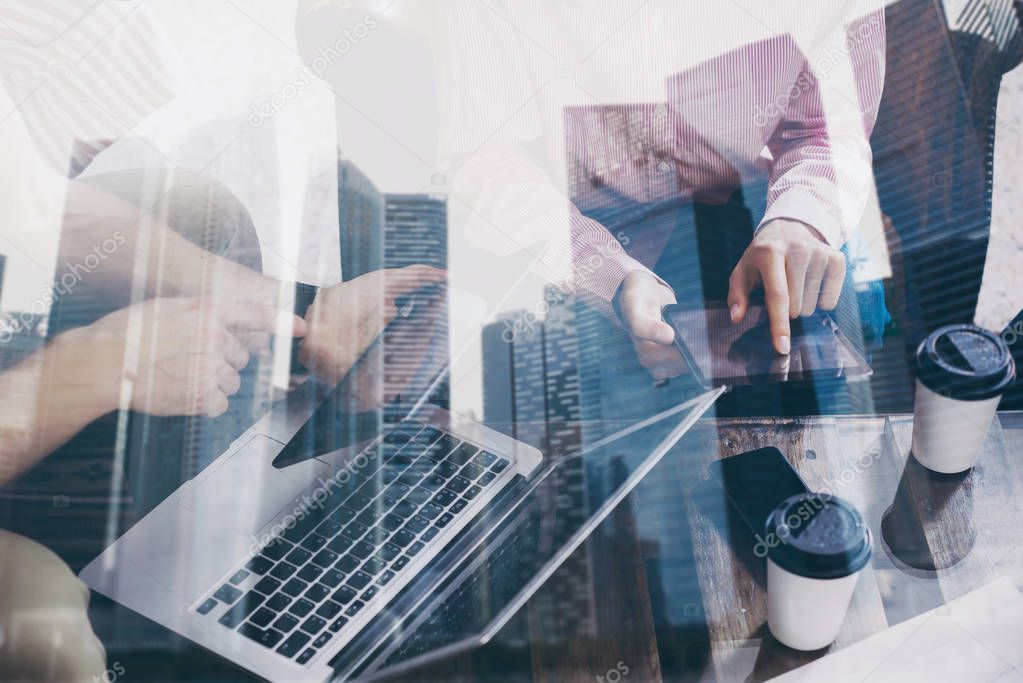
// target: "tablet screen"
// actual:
[[727, 353]]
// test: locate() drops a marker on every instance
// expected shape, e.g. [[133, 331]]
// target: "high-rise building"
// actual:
[[531, 391], [416, 232]]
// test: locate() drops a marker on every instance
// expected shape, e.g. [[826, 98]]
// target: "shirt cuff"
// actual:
[[804, 207]]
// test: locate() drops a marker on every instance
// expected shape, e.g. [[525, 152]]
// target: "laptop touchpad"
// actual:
[[246, 491]]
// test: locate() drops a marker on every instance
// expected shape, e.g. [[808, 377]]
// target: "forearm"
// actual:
[[128, 240], [49, 397]]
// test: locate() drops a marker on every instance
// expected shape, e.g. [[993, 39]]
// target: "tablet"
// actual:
[[722, 353]]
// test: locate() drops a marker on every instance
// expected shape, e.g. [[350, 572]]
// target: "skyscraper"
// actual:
[[416, 232], [531, 391]]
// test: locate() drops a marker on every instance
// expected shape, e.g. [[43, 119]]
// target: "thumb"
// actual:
[[738, 294]]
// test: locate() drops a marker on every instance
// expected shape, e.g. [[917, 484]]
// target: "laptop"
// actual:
[[296, 552]]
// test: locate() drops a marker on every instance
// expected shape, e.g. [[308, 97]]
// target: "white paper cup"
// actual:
[[818, 545], [948, 433], [806, 613], [962, 372]]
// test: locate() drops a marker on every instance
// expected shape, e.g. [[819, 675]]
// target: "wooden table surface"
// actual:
[[965, 526]]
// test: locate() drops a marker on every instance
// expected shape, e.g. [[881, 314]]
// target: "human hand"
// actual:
[[43, 617], [345, 319], [798, 270], [640, 301], [182, 356]]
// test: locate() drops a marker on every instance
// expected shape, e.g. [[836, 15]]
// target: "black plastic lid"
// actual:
[[965, 362], [818, 536]]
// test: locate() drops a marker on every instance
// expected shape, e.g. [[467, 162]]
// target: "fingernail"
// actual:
[[784, 345], [735, 312]]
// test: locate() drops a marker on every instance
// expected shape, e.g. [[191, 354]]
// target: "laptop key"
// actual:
[[362, 550], [400, 563], [444, 520], [348, 563], [227, 594], [402, 538], [429, 534], [427, 436], [419, 495], [316, 592], [285, 623], [313, 625], [385, 578], [414, 549], [484, 459], [266, 638], [305, 656], [374, 566], [447, 469], [388, 552], [459, 505], [283, 570], [344, 595], [354, 608], [458, 484], [500, 466], [323, 639], [262, 617], [404, 509], [338, 624], [314, 542], [276, 550], [462, 454], [301, 607], [325, 558], [472, 492], [431, 511], [295, 642], [267, 585], [332, 578], [417, 524], [328, 610], [241, 610], [238, 577], [358, 580], [298, 557], [340, 544], [207, 606], [434, 482], [368, 594], [328, 529], [259, 564], [487, 478], [410, 477], [471, 471], [444, 498], [310, 572], [294, 587], [392, 522], [278, 603]]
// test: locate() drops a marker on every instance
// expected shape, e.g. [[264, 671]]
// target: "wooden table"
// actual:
[[967, 526]]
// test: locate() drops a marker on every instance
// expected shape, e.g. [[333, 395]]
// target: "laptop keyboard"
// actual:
[[337, 558]]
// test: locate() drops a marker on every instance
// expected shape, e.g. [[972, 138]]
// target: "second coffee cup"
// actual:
[[962, 372]]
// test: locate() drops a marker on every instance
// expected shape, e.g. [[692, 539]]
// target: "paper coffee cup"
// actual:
[[817, 546], [962, 372]]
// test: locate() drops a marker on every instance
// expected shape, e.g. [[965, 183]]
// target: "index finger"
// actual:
[[252, 317], [776, 299]]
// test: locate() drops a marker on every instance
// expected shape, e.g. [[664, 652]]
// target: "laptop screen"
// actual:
[[471, 592]]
